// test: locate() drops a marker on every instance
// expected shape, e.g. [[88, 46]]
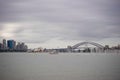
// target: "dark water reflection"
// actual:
[[28, 66]]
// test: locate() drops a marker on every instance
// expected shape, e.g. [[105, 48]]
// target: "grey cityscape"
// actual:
[[11, 46], [59, 39]]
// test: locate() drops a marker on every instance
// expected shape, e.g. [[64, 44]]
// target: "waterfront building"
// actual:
[[21, 47], [1, 46], [11, 44], [25, 48], [18, 46], [4, 44]]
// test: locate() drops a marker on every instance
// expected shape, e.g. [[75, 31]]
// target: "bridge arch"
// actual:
[[92, 43]]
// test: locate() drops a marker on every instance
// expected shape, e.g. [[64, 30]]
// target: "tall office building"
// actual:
[[4, 44], [1, 46], [21, 47], [11, 44]]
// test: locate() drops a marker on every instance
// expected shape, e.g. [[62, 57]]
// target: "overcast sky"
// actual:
[[58, 23]]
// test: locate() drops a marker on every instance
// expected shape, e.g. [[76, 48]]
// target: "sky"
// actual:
[[59, 23]]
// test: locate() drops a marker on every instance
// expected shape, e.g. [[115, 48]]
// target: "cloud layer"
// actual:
[[41, 21]]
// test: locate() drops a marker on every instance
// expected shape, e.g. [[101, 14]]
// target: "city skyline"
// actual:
[[58, 23], [12, 45]]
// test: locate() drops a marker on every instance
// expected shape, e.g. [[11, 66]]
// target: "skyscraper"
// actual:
[[11, 44], [1, 45], [4, 44]]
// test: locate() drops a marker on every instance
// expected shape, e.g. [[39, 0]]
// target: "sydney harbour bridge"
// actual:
[[85, 43], [78, 47]]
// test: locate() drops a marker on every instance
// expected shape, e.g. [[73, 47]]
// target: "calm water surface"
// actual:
[[71, 66]]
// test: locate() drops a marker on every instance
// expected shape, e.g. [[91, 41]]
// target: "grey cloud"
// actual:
[[67, 19], [1, 26]]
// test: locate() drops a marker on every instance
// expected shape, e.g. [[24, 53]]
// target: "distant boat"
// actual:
[[53, 52]]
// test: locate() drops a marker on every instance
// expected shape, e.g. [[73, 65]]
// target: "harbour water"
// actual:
[[62, 66]]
